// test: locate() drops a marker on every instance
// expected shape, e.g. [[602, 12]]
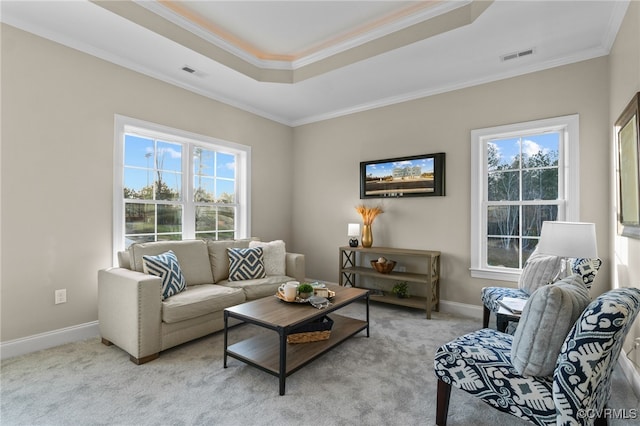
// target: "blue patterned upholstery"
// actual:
[[246, 263], [492, 295], [586, 268], [480, 364], [166, 267]]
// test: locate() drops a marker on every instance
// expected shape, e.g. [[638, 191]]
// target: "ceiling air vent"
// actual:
[[515, 55], [189, 70]]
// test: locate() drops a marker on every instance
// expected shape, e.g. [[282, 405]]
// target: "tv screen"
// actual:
[[415, 176]]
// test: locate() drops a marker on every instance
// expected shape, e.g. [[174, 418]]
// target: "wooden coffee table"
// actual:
[[272, 353]]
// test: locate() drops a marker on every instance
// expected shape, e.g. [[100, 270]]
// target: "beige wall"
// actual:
[[624, 83], [58, 109], [57, 159], [327, 155]]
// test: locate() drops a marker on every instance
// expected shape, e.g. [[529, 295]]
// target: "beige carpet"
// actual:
[[386, 379]]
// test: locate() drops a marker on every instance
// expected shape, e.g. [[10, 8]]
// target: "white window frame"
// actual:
[[568, 174], [125, 125]]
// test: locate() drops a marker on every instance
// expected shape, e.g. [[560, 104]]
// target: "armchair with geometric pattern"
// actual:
[[579, 386]]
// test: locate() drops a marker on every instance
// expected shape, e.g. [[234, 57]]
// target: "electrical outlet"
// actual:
[[61, 296]]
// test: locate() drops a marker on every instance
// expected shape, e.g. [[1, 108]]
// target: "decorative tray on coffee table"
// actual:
[[315, 300]]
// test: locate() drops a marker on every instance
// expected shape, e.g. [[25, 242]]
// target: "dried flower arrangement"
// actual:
[[368, 213]]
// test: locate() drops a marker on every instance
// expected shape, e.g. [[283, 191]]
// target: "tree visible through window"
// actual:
[[522, 192], [174, 185], [522, 175]]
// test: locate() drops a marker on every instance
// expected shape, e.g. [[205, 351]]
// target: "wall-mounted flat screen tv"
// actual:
[[415, 176]]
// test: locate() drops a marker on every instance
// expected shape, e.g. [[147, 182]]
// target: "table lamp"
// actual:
[[353, 231], [568, 240]]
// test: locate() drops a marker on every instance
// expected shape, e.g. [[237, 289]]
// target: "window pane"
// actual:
[[503, 154], [204, 189], [540, 150], [203, 162], [169, 218], [226, 218], [169, 157], [131, 239], [503, 252], [226, 191], [503, 220], [206, 218], [138, 151], [229, 235], [138, 184], [139, 218], [528, 245], [206, 235], [540, 184], [169, 186], [503, 186], [170, 237], [226, 166], [533, 216]]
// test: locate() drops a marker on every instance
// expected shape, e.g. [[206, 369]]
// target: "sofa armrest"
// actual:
[[129, 310], [295, 267]]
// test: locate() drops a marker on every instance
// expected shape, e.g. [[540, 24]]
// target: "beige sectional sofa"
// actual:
[[133, 315]]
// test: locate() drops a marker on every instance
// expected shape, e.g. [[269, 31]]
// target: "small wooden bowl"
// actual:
[[383, 268]]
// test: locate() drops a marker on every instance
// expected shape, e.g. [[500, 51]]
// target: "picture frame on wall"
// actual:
[[627, 134], [414, 176]]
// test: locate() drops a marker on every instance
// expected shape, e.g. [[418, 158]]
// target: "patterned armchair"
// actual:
[[480, 363], [586, 268]]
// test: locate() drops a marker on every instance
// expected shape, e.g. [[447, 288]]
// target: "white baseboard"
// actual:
[[38, 342], [630, 372], [462, 309]]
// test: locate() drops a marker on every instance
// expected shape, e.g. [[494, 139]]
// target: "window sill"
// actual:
[[496, 274]]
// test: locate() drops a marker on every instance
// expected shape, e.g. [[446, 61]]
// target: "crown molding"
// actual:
[[414, 95]]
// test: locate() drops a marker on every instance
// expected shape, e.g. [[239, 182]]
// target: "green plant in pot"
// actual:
[[305, 291], [401, 289]]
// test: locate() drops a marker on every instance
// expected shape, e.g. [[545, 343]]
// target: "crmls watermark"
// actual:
[[609, 413]]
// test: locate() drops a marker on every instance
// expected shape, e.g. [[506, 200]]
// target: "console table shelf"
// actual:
[[350, 268]]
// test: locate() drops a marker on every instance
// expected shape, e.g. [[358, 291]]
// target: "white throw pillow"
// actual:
[[274, 256], [546, 320]]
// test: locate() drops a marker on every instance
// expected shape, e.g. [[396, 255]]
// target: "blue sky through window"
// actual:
[[508, 149], [143, 155]]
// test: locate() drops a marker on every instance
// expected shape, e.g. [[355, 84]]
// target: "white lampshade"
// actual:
[[568, 239], [353, 230]]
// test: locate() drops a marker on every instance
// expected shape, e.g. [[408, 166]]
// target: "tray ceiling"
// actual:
[[306, 61]]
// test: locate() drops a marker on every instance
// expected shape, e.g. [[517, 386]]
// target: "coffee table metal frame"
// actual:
[[277, 357]]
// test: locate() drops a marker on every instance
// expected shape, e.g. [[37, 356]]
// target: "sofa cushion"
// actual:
[[200, 300], [539, 270], [167, 267], [546, 320], [219, 258], [256, 289], [192, 255], [246, 263], [274, 256]]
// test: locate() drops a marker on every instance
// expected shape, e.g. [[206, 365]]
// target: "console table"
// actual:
[[350, 267]]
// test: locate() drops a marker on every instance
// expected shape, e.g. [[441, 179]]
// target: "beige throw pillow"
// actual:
[[274, 256], [546, 320]]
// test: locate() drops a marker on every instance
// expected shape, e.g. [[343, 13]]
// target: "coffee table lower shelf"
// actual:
[[263, 350]]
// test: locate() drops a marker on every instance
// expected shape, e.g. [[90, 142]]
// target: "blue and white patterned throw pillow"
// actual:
[[246, 263], [165, 266]]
